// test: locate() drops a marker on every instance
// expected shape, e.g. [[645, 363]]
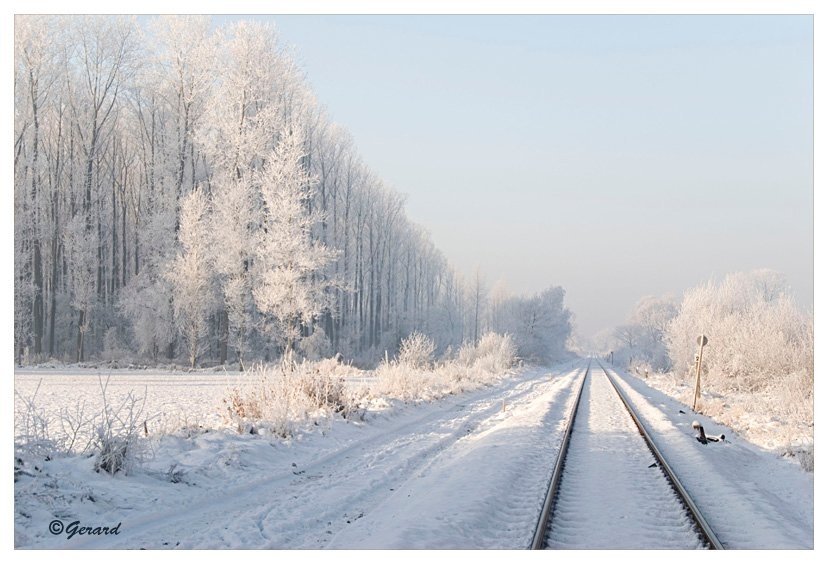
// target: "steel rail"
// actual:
[[707, 532], [539, 538]]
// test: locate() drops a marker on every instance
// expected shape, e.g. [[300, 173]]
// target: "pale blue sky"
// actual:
[[616, 156]]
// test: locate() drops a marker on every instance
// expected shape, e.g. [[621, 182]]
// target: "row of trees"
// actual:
[[180, 194]]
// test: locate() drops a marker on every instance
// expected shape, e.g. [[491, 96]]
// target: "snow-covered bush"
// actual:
[[281, 398], [401, 381], [494, 353], [32, 428], [113, 349], [116, 439], [417, 351], [474, 366], [111, 434], [271, 397]]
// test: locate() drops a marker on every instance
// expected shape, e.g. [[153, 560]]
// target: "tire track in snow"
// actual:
[[272, 512], [404, 459], [499, 507]]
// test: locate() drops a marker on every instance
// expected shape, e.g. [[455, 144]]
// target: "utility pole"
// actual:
[[702, 340]]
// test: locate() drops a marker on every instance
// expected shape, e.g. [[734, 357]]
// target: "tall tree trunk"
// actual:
[[81, 331], [223, 331], [53, 292], [37, 261]]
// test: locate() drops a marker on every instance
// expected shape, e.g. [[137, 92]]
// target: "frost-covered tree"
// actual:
[[288, 288], [756, 332], [232, 234], [540, 324], [37, 73], [642, 339], [256, 89], [185, 66], [190, 275], [106, 52]]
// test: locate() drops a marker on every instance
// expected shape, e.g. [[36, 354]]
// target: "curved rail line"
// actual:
[[545, 518]]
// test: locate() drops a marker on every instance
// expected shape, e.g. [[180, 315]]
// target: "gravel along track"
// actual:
[[612, 495]]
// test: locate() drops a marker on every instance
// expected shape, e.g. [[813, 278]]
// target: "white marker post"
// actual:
[[702, 340]]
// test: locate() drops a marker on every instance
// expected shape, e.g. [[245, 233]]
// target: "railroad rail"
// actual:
[[547, 515]]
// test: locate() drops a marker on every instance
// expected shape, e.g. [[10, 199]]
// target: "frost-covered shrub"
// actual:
[[324, 390], [494, 353], [417, 351], [116, 439], [475, 366], [111, 434], [401, 381], [281, 398], [271, 397], [32, 428]]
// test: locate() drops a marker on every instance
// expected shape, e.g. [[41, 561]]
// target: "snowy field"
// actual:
[[466, 471], [173, 400]]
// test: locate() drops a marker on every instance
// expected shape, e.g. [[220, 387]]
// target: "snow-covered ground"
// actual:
[[460, 472], [756, 416]]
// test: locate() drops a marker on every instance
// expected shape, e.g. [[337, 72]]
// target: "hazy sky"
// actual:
[[616, 156]]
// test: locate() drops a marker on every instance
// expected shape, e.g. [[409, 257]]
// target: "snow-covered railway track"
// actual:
[[611, 488]]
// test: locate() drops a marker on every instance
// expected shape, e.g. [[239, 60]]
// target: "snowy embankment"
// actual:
[[752, 498], [769, 421], [456, 472]]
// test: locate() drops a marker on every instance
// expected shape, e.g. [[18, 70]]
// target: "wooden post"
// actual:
[[702, 340], [504, 406]]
